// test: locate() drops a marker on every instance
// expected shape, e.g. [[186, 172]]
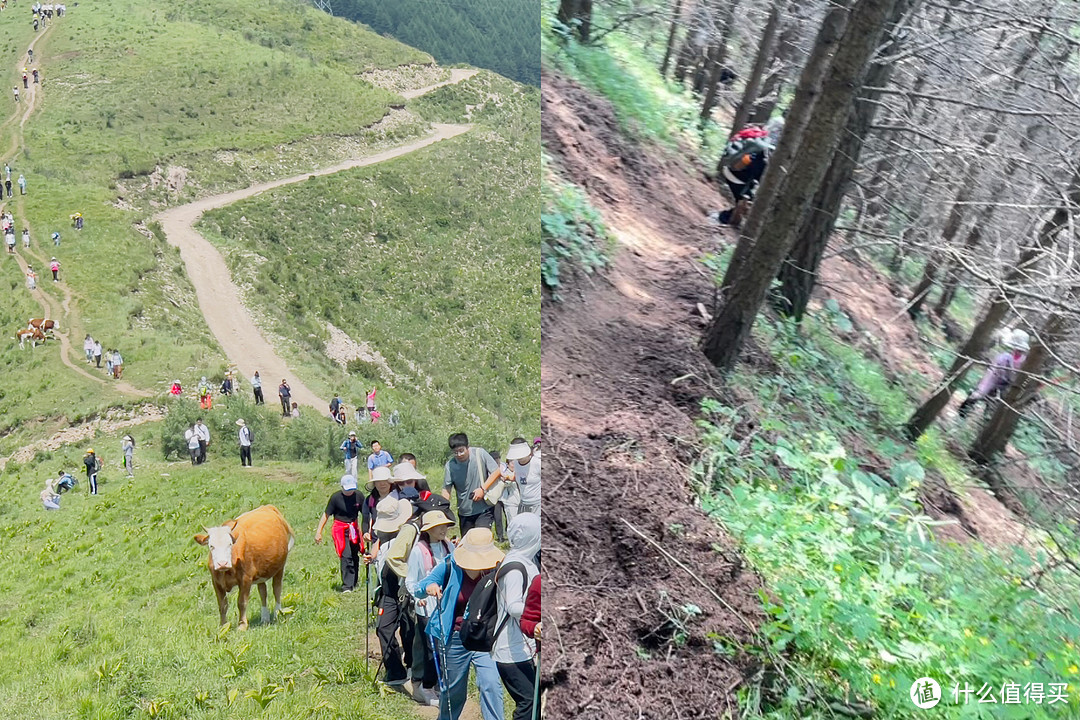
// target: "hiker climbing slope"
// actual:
[[1001, 372]]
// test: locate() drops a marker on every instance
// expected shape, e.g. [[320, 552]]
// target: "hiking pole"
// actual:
[[536, 688], [440, 665], [367, 616]]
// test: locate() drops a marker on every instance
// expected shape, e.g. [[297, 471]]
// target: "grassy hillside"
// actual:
[[108, 604], [132, 86], [431, 258]]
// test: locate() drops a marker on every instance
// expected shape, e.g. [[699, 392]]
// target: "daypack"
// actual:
[[479, 627], [743, 146], [435, 502]]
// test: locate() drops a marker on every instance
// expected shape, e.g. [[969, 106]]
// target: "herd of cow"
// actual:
[[36, 331]]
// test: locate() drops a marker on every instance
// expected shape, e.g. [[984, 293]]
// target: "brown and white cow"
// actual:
[[248, 550], [43, 324], [34, 336]]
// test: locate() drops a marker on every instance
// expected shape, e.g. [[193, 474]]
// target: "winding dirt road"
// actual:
[[219, 298]]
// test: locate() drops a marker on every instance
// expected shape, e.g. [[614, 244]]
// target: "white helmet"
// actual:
[[1018, 340]]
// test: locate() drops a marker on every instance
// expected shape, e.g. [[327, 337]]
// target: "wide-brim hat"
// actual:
[[348, 482], [241, 422], [477, 550], [518, 451], [391, 514], [405, 471], [380, 474], [352, 433], [433, 519]]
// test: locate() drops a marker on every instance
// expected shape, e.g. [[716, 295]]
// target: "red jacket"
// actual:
[[530, 616]]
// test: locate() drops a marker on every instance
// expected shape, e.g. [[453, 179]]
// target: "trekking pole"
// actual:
[[440, 665], [367, 616]]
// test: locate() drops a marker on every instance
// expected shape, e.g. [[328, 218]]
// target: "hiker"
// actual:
[[175, 389], [351, 447], [378, 488], [54, 265], [467, 471], [514, 652], [203, 391], [745, 158], [335, 404], [295, 411], [371, 401], [31, 278], [7, 183], [226, 385], [127, 446], [495, 495], [26, 238], [243, 440], [93, 464], [76, 219], [526, 464], [117, 365], [451, 584], [30, 55], [16, 91], [10, 239], [344, 507], [35, 30], [97, 353], [391, 515], [49, 497], [56, 239], [431, 548], [256, 387], [109, 362], [284, 394], [1001, 372], [25, 81], [407, 476], [378, 457], [22, 185], [35, 71], [192, 439], [204, 439], [65, 482], [341, 417]]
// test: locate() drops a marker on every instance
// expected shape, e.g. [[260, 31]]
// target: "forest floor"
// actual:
[[622, 380]]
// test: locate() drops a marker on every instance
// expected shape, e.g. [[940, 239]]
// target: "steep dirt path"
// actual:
[[622, 379], [219, 298], [456, 75]]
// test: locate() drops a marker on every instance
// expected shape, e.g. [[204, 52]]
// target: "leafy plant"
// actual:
[[572, 233]]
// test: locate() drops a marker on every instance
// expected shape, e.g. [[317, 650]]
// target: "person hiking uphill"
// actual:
[[467, 472], [1001, 372], [344, 508], [431, 548], [513, 651], [745, 158]]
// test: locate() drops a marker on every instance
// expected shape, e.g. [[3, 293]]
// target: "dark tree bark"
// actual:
[[803, 157], [717, 58], [996, 309], [675, 12], [798, 274], [774, 81], [999, 429], [577, 14], [764, 54]]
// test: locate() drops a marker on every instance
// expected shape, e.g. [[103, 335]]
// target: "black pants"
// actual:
[[194, 455], [97, 358], [350, 564], [245, 455], [407, 630], [519, 679], [423, 656], [485, 520], [258, 396], [202, 451], [91, 475], [54, 274], [386, 629], [500, 522], [285, 409]]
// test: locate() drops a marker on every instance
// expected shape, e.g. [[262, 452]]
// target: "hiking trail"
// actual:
[[219, 298]]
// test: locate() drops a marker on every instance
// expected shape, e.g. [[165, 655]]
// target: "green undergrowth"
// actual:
[[573, 236], [109, 607], [429, 258], [824, 499]]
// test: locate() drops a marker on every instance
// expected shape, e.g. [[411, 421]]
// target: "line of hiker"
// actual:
[[444, 606], [367, 414], [114, 361]]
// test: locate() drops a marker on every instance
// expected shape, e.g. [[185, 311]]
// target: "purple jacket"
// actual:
[[999, 376]]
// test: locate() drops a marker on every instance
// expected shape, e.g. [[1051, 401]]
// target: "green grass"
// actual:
[[573, 235], [430, 258], [109, 608]]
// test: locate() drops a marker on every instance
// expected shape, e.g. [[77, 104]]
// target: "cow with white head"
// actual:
[[248, 550]]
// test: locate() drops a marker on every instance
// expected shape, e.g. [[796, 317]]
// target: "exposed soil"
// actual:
[[621, 380]]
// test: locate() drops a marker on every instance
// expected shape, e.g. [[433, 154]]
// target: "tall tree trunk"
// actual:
[[995, 311], [764, 55], [798, 274], [774, 81], [997, 432], [788, 189], [675, 12], [717, 57]]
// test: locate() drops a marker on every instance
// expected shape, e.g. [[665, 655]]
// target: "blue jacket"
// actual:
[[441, 623], [351, 450]]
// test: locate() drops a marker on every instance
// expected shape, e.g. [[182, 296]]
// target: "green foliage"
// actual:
[[497, 36], [573, 234]]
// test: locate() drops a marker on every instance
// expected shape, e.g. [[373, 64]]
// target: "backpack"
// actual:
[[435, 502], [90, 461], [743, 145], [479, 628]]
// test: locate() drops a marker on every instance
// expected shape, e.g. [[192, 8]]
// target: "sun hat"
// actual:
[[477, 550], [433, 519], [391, 514], [405, 471], [1018, 340], [348, 482], [352, 433], [241, 422], [518, 451], [378, 475]]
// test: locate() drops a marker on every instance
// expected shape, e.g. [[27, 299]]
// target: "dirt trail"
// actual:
[[456, 75], [622, 378], [219, 298]]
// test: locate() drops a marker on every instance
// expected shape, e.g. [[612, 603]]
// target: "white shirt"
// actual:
[[511, 645], [256, 382], [528, 480], [202, 432], [192, 440], [418, 569], [245, 437]]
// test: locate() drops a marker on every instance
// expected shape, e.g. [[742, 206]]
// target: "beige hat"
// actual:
[[240, 422], [379, 474], [405, 471], [518, 451], [391, 514], [433, 519], [477, 550]]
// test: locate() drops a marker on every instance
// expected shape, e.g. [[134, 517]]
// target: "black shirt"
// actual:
[[345, 508]]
